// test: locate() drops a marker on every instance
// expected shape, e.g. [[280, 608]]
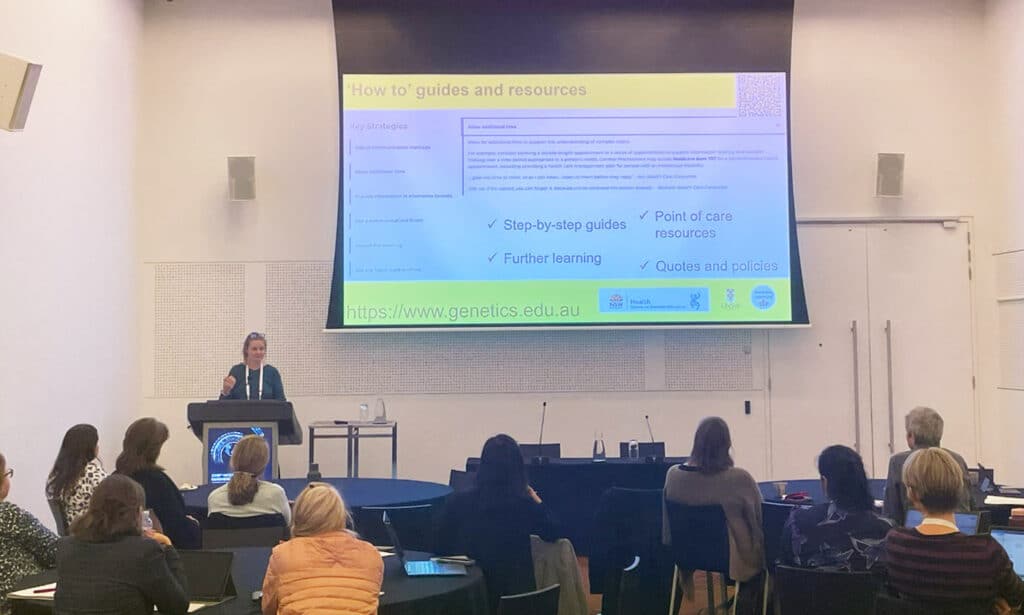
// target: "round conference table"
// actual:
[[403, 595], [357, 492]]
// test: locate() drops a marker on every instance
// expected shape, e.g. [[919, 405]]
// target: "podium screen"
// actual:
[[220, 443]]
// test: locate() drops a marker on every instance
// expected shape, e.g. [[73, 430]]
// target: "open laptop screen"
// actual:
[[207, 573], [1013, 543], [967, 523]]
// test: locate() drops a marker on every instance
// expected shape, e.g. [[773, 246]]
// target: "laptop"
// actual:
[[1012, 540], [421, 568], [209, 577], [969, 523]]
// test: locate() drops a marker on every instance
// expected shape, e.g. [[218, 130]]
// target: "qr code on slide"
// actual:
[[759, 95]]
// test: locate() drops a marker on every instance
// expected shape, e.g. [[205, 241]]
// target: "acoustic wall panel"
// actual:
[[709, 360], [199, 326]]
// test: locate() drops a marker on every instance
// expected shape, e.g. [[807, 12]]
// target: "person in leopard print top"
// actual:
[[26, 547], [76, 472]]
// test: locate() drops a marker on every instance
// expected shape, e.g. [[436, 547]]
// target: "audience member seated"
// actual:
[[142, 443], [26, 547], [924, 430], [934, 562], [246, 495], [76, 472], [324, 568], [709, 478], [109, 565], [843, 533], [493, 521]]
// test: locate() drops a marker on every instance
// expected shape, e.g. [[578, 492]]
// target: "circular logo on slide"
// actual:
[[762, 297], [223, 446]]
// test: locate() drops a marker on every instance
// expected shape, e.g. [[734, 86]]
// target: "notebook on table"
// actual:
[[1012, 540], [209, 577], [421, 568]]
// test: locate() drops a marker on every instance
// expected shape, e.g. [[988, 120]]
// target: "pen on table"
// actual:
[[44, 590]]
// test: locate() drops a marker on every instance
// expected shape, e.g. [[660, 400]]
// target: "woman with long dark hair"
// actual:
[[493, 521], [141, 448], [110, 565], [246, 495], [76, 472], [843, 533], [709, 477]]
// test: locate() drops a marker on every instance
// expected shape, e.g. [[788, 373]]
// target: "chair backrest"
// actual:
[[809, 591], [700, 537], [630, 586], [413, 524], [58, 517], [244, 537], [891, 605], [773, 520], [541, 602], [646, 449], [460, 480], [529, 451], [220, 521]]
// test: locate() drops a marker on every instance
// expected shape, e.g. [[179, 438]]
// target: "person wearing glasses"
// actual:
[[26, 547], [252, 378]]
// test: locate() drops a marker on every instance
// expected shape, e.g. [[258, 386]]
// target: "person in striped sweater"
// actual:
[[934, 562]]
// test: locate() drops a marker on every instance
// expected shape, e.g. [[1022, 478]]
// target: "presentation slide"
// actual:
[[564, 199], [222, 441]]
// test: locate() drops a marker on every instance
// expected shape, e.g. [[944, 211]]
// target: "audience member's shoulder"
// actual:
[[739, 475]]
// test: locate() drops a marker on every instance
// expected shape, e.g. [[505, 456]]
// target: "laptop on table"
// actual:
[[1012, 540], [209, 577], [969, 523], [420, 568]]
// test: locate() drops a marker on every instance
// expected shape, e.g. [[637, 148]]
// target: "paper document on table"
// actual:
[[39, 592], [1002, 500]]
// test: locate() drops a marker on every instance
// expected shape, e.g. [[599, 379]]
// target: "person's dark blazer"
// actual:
[[164, 498], [497, 536], [128, 576], [895, 503]]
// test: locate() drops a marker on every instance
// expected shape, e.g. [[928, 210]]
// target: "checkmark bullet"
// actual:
[[491, 257], [644, 215], [491, 223], [644, 266]]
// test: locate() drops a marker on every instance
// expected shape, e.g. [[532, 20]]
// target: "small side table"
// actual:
[[352, 431]]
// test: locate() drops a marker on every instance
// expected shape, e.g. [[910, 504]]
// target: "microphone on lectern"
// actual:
[[647, 418]]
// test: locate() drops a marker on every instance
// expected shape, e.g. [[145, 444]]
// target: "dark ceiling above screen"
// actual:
[[576, 37]]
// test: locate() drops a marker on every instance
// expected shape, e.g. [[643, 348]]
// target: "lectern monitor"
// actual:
[[220, 441]]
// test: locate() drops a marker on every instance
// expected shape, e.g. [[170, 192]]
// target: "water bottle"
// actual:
[[599, 454], [380, 413], [634, 449], [147, 521], [364, 412]]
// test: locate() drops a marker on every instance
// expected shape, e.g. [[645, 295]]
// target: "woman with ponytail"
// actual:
[[246, 495], [843, 533]]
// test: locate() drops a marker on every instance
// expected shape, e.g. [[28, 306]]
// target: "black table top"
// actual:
[[473, 462], [403, 595], [357, 492]]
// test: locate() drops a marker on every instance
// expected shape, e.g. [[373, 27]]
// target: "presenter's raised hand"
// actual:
[[229, 383]]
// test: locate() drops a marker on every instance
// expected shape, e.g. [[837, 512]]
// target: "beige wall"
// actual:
[[67, 236], [259, 78]]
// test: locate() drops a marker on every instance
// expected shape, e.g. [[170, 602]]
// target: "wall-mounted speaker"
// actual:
[[242, 178], [18, 79], [889, 181]]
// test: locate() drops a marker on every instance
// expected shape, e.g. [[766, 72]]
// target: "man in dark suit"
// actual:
[[924, 430]]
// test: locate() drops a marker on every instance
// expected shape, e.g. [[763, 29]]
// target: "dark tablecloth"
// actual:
[[357, 492], [572, 488], [402, 595]]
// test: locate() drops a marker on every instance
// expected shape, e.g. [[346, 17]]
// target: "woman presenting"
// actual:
[[252, 379]]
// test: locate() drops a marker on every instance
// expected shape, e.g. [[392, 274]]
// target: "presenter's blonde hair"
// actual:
[[318, 509]]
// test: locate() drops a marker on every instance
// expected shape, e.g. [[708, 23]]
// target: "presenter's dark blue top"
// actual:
[[273, 388]]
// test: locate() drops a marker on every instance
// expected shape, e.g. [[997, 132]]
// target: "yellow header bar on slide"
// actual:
[[602, 91]]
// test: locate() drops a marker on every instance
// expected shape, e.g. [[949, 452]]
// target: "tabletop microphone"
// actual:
[[540, 458], [650, 431], [654, 456]]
